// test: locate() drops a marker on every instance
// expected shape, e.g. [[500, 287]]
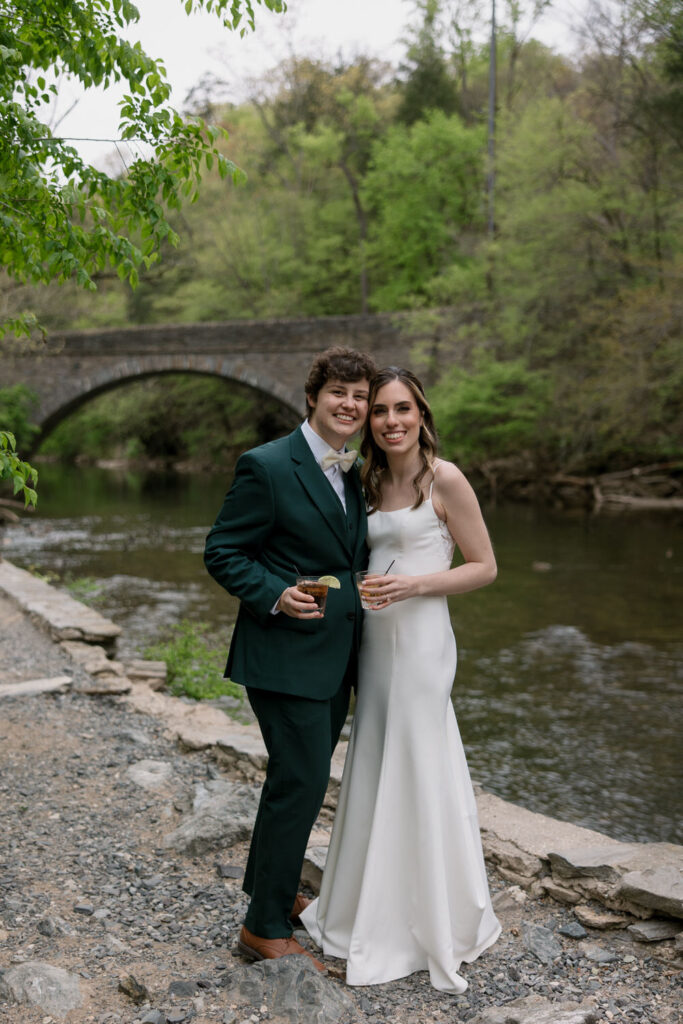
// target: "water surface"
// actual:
[[569, 688]]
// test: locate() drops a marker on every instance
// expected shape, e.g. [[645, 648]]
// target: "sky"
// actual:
[[192, 46]]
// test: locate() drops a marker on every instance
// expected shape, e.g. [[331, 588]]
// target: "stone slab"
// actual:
[[57, 612], [31, 687], [655, 930], [537, 1010], [658, 888]]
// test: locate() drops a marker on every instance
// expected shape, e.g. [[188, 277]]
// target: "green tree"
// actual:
[[426, 82], [424, 187], [61, 218]]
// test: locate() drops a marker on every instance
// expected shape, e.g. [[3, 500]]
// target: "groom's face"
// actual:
[[339, 410]]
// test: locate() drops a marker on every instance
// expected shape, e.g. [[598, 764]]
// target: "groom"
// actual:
[[295, 508]]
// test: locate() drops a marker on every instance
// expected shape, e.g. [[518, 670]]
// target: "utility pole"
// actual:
[[491, 177]]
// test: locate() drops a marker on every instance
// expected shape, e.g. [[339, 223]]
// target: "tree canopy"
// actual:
[[61, 218]]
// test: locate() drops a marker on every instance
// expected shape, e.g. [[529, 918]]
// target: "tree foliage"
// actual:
[[62, 219], [562, 334], [22, 476]]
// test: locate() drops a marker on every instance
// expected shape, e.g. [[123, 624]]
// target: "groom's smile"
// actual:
[[339, 410]]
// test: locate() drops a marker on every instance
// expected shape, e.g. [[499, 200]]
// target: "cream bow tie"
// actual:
[[343, 459]]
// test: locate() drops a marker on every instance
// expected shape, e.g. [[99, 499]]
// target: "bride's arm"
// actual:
[[456, 504]]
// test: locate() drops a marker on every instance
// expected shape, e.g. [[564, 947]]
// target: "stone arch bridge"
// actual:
[[271, 356]]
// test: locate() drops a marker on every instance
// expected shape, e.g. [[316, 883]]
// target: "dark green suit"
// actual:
[[282, 515]]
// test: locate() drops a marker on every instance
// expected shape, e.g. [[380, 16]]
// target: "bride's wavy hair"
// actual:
[[375, 460]]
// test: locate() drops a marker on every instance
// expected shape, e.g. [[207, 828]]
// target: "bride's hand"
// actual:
[[388, 590]]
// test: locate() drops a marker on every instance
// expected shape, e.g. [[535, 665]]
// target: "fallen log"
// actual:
[[637, 502]]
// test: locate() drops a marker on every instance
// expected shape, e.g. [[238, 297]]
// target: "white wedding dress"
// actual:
[[404, 887]]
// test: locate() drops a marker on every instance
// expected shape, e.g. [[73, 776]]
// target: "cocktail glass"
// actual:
[[312, 585], [368, 598]]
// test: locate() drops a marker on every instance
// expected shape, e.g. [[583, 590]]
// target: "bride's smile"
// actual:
[[395, 419]]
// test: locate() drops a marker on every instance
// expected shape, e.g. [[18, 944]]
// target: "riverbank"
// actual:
[[657, 487], [127, 825]]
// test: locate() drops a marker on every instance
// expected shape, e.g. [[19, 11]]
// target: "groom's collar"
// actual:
[[315, 442]]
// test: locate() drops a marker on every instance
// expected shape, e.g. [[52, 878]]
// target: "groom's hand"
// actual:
[[297, 605]]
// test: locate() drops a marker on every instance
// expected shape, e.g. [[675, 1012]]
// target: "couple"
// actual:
[[404, 887]]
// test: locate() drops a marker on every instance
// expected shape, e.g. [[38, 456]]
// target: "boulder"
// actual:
[[150, 774], [291, 989], [35, 983], [223, 814]]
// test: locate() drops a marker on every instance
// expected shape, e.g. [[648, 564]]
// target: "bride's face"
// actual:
[[395, 419]]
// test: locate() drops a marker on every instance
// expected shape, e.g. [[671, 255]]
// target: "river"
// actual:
[[568, 692]]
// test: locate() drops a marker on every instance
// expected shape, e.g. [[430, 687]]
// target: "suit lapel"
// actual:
[[318, 487], [355, 509]]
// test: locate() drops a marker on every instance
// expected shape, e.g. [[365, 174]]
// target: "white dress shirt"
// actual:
[[335, 474], [319, 447]]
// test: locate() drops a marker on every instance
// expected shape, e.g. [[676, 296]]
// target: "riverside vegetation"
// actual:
[[559, 335]]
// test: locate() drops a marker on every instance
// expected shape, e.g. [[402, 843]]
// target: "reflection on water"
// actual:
[[568, 692]]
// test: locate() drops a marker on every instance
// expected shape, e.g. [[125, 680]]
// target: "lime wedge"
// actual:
[[331, 581]]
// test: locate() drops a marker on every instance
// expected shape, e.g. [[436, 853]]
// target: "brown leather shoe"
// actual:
[[300, 904], [272, 949]]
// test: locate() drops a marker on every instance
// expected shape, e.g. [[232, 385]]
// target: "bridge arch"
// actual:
[[271, 356], [77, 392]]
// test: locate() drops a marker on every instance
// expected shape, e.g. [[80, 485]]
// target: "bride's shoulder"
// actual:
[[446, 474], [449, 483]]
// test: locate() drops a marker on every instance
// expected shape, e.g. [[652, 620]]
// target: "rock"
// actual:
[[541, 942], [601, 861], [223, 814], [508, 855], [655, 930], [573, 930], [153, 1017], [52, 989], [292, 989], [178, 1016], [537, 1010], [91, 657], [659, 888], [55, 610], [153, 673], [106, 684], [508, 899], [150, 774], [86, 909], [132, 988], [601, 919], [313, 867], [596, 953], [561, 893], [638, 877], [229, 871], [51, 926], [183, 989], [31, 687]]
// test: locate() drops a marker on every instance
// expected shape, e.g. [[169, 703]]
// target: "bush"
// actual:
[[495, 410], [194, 666]]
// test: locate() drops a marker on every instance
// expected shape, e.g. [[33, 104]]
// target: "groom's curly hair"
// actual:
[[337, 363]]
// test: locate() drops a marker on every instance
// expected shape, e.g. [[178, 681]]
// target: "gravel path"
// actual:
[[86, 886]]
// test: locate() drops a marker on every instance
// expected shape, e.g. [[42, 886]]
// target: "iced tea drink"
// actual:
[[312, 585], [368, 597]]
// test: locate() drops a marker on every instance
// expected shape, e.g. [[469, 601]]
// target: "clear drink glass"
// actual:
[[312, 585], [364, 583]]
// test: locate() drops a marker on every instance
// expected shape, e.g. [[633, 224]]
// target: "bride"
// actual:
[[404, 887]]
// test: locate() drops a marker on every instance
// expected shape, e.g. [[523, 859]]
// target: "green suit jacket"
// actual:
[[281, 515]]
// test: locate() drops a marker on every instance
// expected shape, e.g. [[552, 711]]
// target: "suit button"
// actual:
[[350, 616]]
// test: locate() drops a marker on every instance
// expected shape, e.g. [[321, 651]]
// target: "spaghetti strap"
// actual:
[[431, 486]]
